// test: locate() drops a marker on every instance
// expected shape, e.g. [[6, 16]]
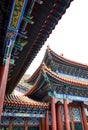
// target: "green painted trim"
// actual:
[[12, 61], [52, 94], [18, 47], [28, 19]]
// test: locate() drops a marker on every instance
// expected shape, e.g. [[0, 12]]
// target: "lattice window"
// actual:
[[4, 121], [76, 114], [34, 121], [18, 121]]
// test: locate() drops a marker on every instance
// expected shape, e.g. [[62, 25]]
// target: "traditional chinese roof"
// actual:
[[47, 80], [21, 89], [24, 28], [23, 101], [59, 64], [51, 55]]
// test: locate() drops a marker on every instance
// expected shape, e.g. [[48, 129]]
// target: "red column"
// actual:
[[26, 123], [84, 118], [3, 81], [59, 118], [53, 114], [42, 123], [47, 120], [10, 123], [66, 115]]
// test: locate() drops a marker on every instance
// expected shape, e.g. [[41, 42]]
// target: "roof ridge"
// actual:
[[67, 60]]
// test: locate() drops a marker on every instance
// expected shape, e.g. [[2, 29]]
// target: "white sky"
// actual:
[[69, 37]]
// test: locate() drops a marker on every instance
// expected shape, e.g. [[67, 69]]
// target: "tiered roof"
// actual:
[[49, 77]]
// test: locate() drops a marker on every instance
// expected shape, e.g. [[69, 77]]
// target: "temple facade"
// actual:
[[25, 25], [58, 99], [64, 85]]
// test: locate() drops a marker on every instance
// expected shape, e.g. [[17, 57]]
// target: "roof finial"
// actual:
[[48, 48], [62, 54]]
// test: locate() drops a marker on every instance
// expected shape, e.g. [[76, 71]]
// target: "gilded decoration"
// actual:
[[10, 35], [17, 11]]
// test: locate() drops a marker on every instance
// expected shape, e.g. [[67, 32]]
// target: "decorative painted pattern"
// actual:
[[34, 121], [18, 120], [65, 96], [16, 13], [4, 121], [22, 115]]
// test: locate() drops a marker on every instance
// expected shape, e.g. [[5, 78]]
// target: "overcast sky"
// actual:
[[69, 36]]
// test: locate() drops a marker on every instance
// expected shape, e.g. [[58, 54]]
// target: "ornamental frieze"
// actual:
[[16, 13]]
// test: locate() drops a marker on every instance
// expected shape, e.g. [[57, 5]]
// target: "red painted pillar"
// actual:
[[47, 120], [84, 118], [59, 118], [66, 115], [53, 114], [42, 123], [3, 81], [10, 123], [26, 123]]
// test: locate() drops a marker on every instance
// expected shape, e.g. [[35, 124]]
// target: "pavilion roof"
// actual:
[[23, 101], [51, 55]]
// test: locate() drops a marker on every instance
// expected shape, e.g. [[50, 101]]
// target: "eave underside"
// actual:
[[45, 17], [52, 84]]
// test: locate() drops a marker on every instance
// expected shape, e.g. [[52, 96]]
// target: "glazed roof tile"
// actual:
[[15, 100]]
